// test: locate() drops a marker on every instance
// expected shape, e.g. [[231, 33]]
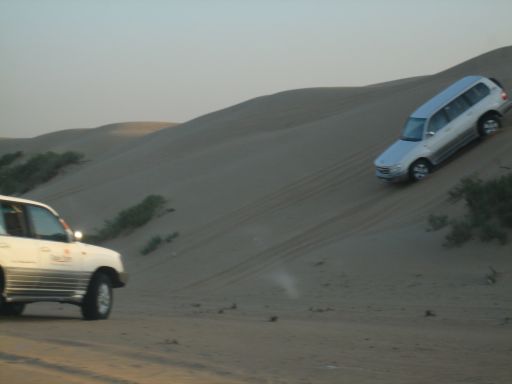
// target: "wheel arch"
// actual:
[[430, 163], [491, 112], [111, 273]]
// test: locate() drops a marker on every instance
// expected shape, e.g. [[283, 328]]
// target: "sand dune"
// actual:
[[279, 213], [94, 143]]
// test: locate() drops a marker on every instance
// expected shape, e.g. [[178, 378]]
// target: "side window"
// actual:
[[438, 121], [456, 107], [13, 221], [477, 93], [46, 225]]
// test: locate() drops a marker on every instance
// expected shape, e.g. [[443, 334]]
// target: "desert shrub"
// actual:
[[489, 210], [468, 187], [437, 222], [9, 158], [491, 231], [156, 241], [461, 232], [38, 169], [129, 219], [169, 238], [151, 245]]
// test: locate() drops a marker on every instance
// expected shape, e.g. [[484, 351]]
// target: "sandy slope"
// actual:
[[279, 214]]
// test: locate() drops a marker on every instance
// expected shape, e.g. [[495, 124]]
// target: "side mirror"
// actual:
[[78, 236], [430, 133]]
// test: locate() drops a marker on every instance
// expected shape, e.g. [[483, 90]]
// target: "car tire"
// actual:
[[419, 170], [12, 309], [488, 125], [98, 300]]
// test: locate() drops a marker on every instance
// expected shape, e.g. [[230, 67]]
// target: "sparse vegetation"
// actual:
[[233, 307], [320, 310], [490, 231], [461, 232], [492, 276], [430, 313], [156, 241], [38, 169], [151, 245], [9, 158], [169, 238], [437, 222], [129, 219], [171, 342], [489, 216]]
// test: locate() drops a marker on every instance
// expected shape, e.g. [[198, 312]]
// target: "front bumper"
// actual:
[[391, 176]]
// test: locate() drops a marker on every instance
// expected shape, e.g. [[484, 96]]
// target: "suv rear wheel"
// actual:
[[489, 124]]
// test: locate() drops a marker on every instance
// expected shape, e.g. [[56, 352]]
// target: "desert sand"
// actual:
[[294, 264]]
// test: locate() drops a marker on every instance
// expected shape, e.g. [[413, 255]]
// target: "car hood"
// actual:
[[396, 153], [94, 249]]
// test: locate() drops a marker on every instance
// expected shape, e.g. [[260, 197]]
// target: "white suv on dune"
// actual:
[[469, 108], [41, 259]]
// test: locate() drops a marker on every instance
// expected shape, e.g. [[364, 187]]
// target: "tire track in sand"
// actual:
[[89, 362], [340, 226], [305, 188]]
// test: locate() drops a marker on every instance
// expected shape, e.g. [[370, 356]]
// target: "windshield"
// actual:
[[413, 130]]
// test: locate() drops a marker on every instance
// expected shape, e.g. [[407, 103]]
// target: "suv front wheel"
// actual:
[[98, 300], [419, 170]]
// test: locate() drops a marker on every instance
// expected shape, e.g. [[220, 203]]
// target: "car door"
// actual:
[[440, 136], [477, 97], [60, 258], [18, 254], [461, 118]]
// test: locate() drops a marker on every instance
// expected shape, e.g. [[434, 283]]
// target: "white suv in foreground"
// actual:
[[41, 259], [469, 108]]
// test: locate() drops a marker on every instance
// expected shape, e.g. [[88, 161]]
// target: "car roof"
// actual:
[[435, 103], [26, 201]]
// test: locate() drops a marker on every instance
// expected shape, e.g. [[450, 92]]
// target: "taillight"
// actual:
[[504, 95]]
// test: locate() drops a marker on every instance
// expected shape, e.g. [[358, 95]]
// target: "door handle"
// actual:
[[45, 249], [3, 245]]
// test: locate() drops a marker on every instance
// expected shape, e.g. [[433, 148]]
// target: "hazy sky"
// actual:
[[84, 63]]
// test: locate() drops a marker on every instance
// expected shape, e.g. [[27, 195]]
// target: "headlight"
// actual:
[[395, 168]]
